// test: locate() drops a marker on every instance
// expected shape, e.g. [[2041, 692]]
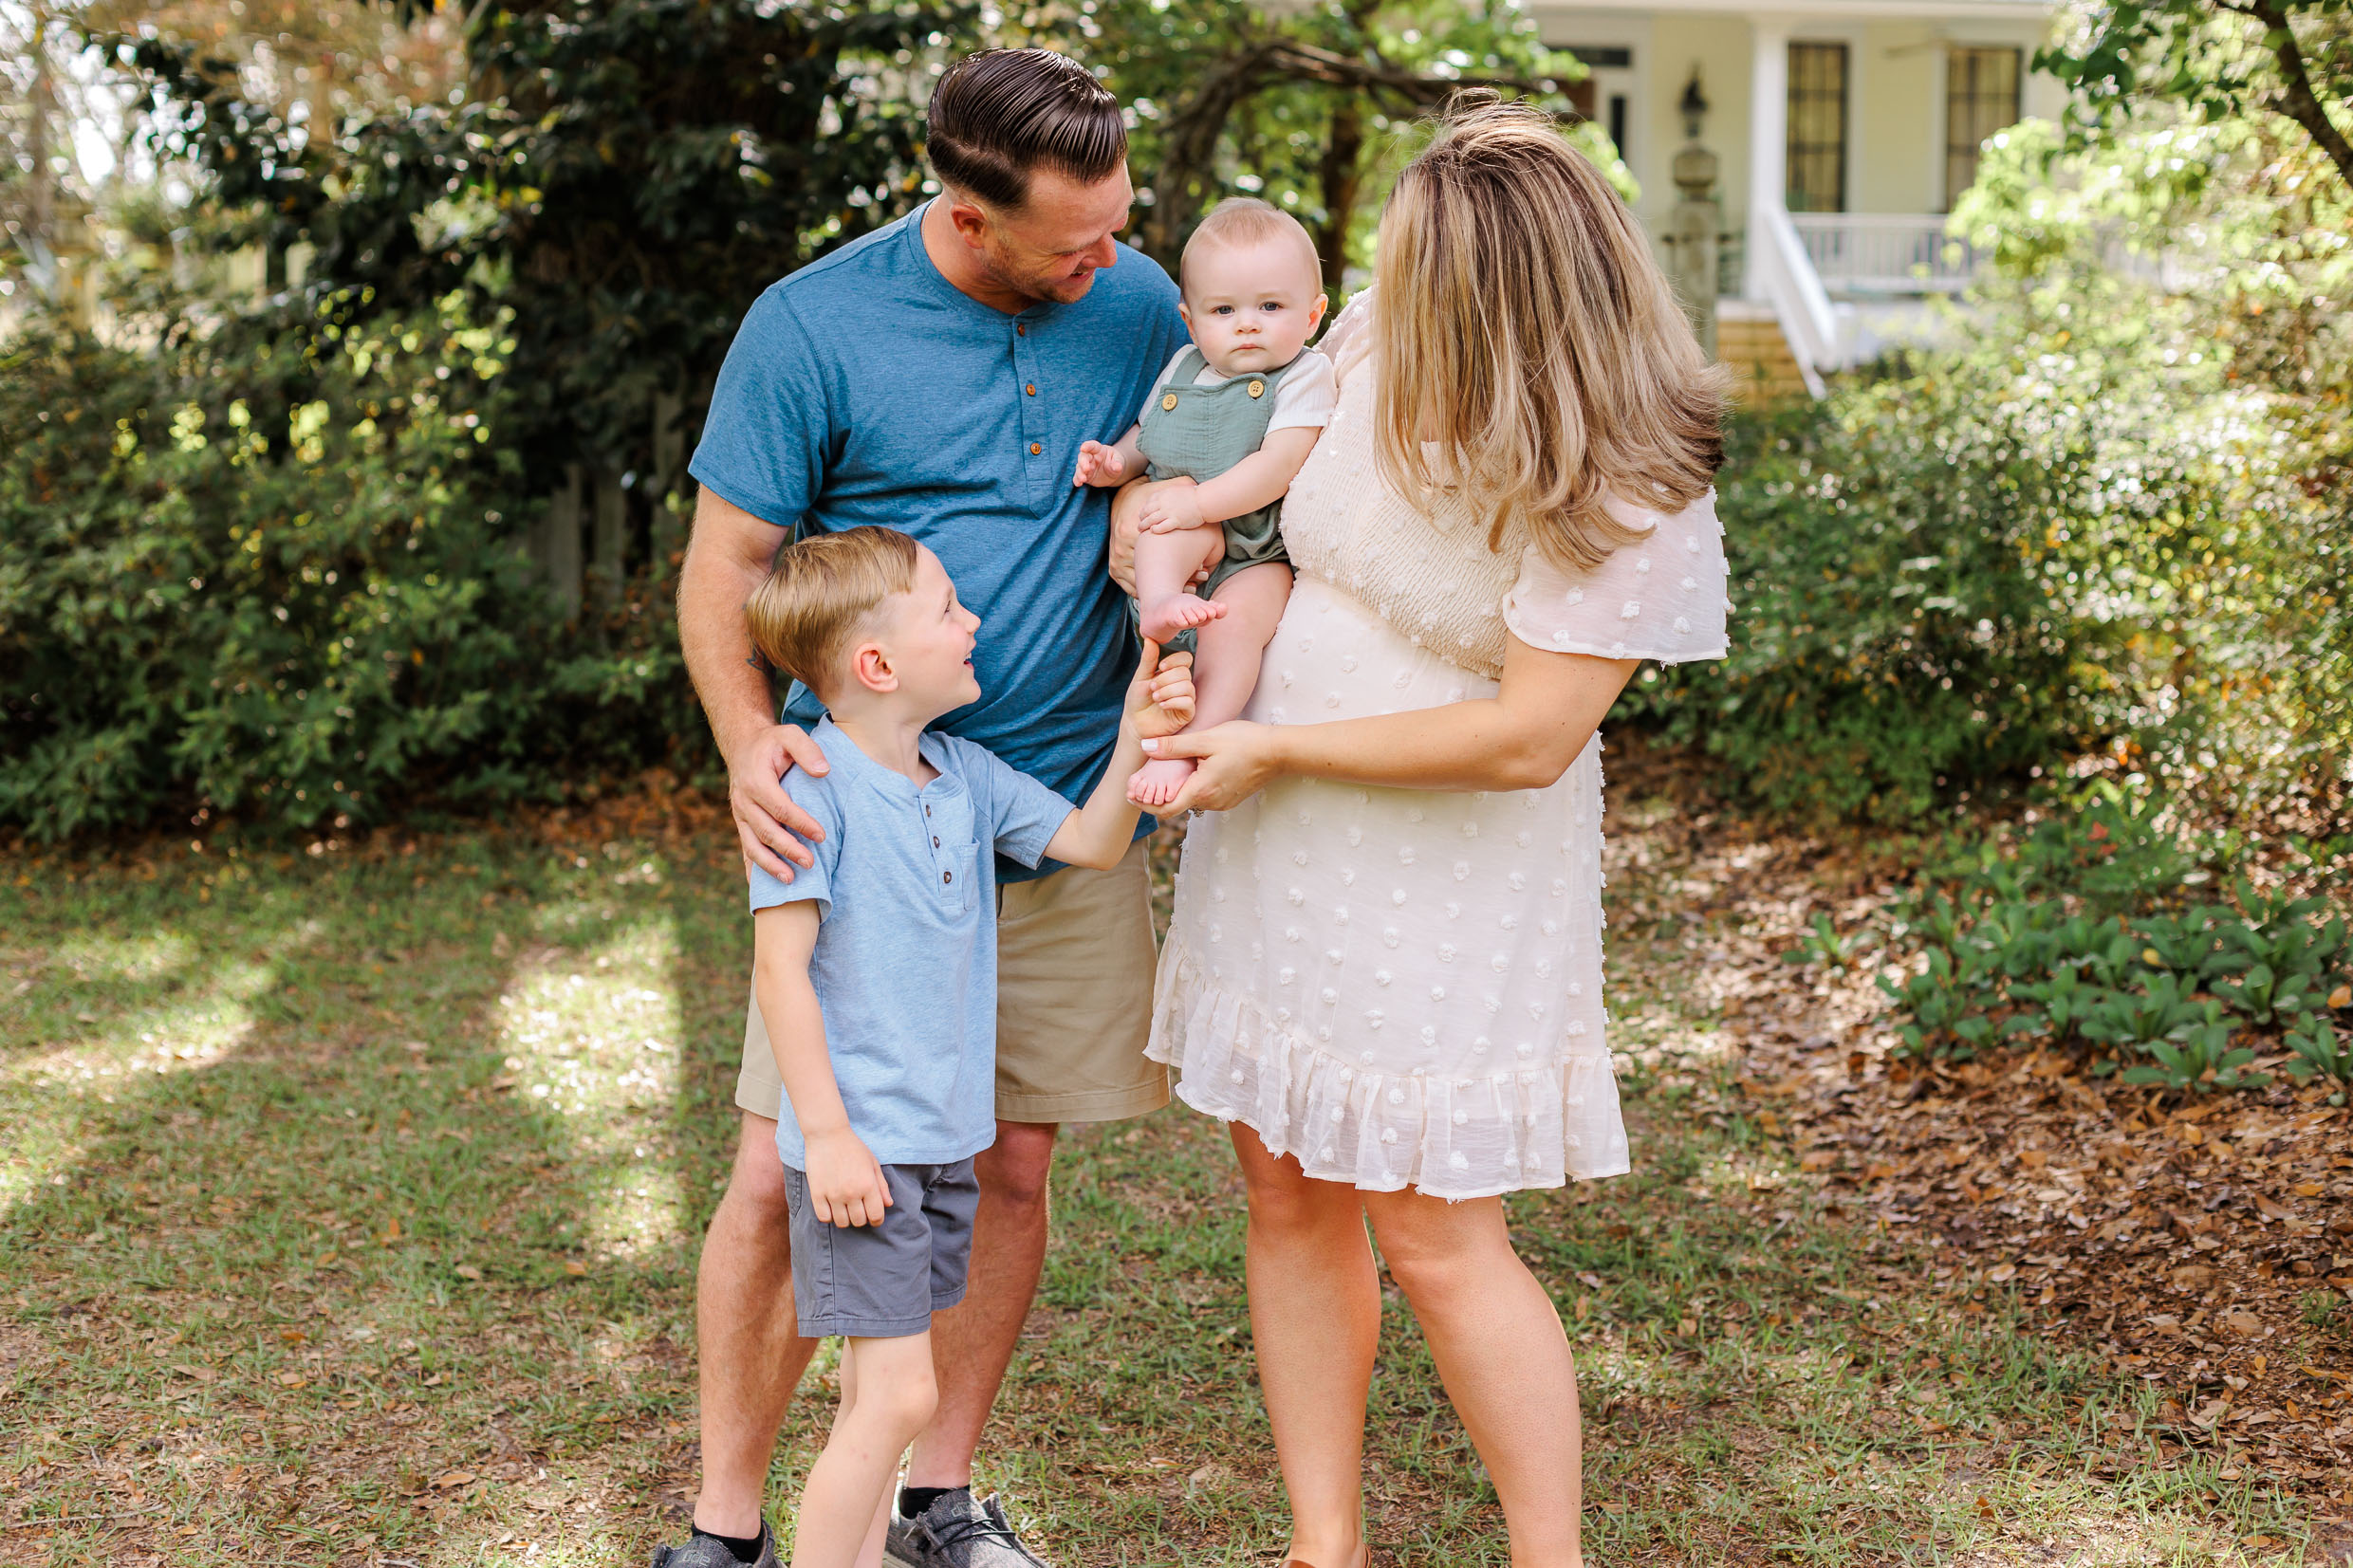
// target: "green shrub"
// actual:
[[279, 578], [2111, 518], [1898, 636]]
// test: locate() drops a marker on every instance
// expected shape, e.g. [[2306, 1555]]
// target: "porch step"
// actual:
[[1749, 341]]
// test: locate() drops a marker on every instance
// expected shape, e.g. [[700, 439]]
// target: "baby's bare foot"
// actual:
[[1157, 782], [1177, 613]]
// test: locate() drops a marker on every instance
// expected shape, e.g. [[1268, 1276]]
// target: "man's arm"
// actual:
[[727, 557], [846, 1184]]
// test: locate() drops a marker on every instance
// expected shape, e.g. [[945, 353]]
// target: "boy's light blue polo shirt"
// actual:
[[866, 388], [905, 968]]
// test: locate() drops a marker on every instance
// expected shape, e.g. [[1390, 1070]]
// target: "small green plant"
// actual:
[[2196, 1054], [2318, 1051], [1824, 945], [2059, 1003], [2319, 1307], [2137, 1018], [1946, 1018]]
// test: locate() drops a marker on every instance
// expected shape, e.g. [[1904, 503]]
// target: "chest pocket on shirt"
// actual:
[[948, 819], [959, 871]]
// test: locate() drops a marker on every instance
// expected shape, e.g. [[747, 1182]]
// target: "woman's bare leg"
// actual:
[[1315, 1315], [1166, 563], [1225, 670], [1505, 1362]]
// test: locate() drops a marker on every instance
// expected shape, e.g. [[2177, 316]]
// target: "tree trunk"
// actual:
[[1341, 174], [40, 105]]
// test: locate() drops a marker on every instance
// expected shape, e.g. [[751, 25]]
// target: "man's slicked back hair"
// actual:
[[1000, 115]]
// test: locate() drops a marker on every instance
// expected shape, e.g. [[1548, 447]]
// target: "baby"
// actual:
[[1234, 417]]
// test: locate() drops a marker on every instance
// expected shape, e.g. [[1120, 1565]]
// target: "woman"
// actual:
[[1386, 966]]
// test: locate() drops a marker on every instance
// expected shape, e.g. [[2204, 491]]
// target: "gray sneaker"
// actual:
[[703, 1552], [956, 1531]]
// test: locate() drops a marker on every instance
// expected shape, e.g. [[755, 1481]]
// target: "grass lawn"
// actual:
[[349, 1203]]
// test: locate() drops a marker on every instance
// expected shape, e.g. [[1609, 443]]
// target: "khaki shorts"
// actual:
[[1074, 1002]]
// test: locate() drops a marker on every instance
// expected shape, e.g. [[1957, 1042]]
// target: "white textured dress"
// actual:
[[1403, 987]]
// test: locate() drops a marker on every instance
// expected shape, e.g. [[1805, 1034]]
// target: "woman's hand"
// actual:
[[1237, 760]]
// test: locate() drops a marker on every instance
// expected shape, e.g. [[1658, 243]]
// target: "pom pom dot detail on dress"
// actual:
[[1425, 1102]]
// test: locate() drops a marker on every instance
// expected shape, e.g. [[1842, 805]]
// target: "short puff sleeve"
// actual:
[[1660, 598], [1349, 338]]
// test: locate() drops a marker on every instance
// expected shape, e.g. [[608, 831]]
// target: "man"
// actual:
[[937, 377]]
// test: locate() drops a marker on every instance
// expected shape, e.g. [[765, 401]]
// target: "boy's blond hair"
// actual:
[[1246, 220], [820, 593]]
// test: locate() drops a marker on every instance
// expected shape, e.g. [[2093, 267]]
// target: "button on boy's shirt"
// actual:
[[906, 967], [866, 388]]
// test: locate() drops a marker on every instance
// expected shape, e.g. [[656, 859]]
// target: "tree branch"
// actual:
[[1192, 132], [2296, 98]]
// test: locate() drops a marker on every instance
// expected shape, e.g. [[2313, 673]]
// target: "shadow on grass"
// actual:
[[341, 1199]]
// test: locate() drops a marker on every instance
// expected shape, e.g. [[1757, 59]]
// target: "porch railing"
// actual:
[[1885, 253], [1779, 273]]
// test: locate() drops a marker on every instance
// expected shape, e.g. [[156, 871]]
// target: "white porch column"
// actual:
[[1769, 133]]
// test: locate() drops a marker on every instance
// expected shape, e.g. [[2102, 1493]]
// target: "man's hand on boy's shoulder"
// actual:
[[773, 830]]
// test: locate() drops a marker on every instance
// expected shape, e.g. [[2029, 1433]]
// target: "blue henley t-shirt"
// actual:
[[865, 388]]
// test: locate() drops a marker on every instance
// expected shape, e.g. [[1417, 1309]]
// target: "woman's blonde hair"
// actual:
[[1527, 335], [819, 594]]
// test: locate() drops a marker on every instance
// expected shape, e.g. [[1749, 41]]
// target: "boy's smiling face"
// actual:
[[921, 647], [1251, 305]]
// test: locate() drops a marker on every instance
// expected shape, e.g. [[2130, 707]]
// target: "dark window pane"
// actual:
[[1817, 147], [1980, 98]]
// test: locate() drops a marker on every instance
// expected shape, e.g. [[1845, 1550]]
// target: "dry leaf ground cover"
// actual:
[[2202, 1243], [349, 1203]]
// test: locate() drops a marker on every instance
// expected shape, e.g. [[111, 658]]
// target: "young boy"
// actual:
[[876, 971], [1235, 414]]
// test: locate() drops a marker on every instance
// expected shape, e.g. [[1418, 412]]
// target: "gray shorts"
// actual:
[[883, 1281]]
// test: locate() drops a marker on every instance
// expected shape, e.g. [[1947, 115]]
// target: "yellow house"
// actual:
[[1842, 132]]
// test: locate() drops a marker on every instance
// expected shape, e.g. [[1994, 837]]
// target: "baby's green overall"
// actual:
[[1198, 433]]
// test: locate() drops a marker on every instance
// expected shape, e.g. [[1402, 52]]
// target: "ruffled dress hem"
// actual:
[[1472, 1134]]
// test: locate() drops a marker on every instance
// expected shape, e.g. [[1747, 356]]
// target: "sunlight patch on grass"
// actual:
[[591, 1034]]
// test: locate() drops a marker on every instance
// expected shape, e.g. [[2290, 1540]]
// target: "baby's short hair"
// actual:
[[1246, 220], [820, 591]]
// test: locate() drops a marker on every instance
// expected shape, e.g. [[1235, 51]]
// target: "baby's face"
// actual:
[[1252, 306]]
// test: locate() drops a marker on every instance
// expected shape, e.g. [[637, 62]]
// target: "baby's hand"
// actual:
[[1100, 465], [1170, 508]]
